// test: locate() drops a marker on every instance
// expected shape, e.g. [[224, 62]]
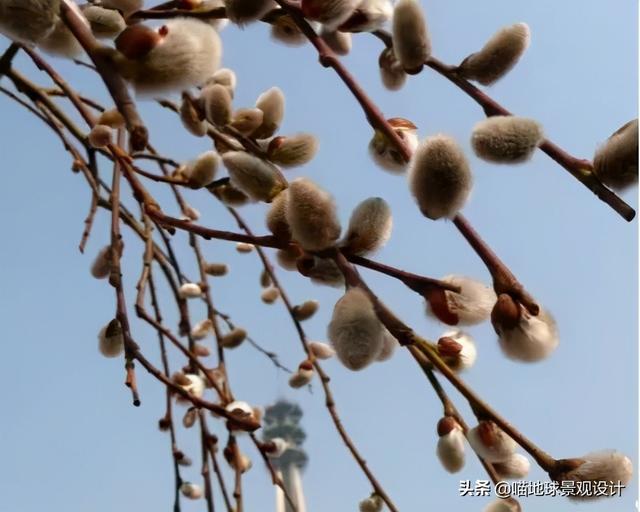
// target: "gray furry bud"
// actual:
[[498, 56], [101, 266], [411, 42], [191, 119], [231, 196], [373, 503], [339, 42], [532, 339], [516, 466], [616, 161], [506, 139], [369, 16], [450, 449], [183, 53], [321, 350], [105, 23], [311, 214], [111, 339], [217, 104], [234, 338], [126, 6], [28, 21], [369, 227], [247, 120], [216, 269], [277, 217], [191, 491], [325, 271], [270, 295], [385, 152], [389, 345], [285, 30], [271, 103], [294, 150], [260, 180], [202, 171], [202, 329], [100, 136], [246, 11], [331, 13], [355, 331], [392, 73], [190, 291], [61, 41], [439, 177], [490, 442], [305, 310], [471, 306], [244, 248], [112, 118], [226, 77]]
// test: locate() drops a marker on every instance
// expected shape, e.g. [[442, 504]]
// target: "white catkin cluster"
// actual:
[[439, 177], [369, 227], [355, 331], [534, 337], [498, 56], [458, 350], [411, 42], [471, 306], [506, 139], [311, 214], [616, 161], [186, 53]]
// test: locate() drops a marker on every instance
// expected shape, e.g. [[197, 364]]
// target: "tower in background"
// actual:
[[282, 419]]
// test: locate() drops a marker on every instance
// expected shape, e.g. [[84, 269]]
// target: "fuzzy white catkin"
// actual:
[[389, 345], [191, 119], [326, 272], [105, 23], [260, 180], [473, 304], [186, 56], [111, 340], [281, 446], [306, 310], [196, 386], [392, 73], [468, 354], [300, 378], [610, 466], [217, 103], [233, 338], [190, 291], [28, 21], [411, 41], [369, 227], [285, 30], [247, 120], [450, 450], [616, 161], [321, 350], [294, 150], [506, 139], [498, 56], [191, 491], [385, 153], [533, 339], [373, 503], [126, 6], [339, 42], [61, 41], [439, 177], [246, 11], [490, 442], [311, 214], [101, 266], [331, 13], [369, 16], [272, 104], [202, 329], [276, 219], [202, 171], [355, 331], [516, 466]]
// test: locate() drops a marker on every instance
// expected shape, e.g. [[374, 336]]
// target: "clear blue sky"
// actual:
[[70, 439]]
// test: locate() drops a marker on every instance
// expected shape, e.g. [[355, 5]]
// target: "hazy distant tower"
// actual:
[[282, 419]]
